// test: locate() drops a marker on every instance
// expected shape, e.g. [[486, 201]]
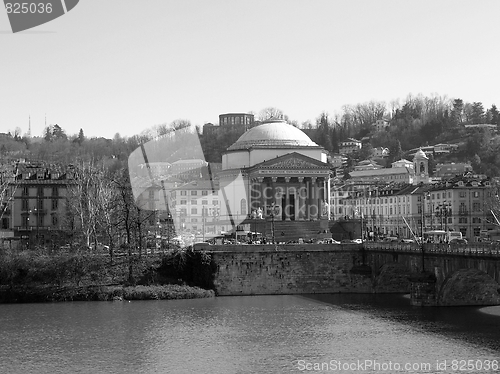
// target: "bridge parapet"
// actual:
[[481, 250]]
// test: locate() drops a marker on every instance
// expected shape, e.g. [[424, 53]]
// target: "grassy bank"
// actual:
[[42, 293], [35, 276]]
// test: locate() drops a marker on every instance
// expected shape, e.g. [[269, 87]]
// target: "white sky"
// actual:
[[122, 66]]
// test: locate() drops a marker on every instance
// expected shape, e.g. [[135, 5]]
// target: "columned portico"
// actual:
[[297, 198]]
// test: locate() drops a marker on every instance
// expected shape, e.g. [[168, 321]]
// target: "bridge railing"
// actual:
[[474, 249]]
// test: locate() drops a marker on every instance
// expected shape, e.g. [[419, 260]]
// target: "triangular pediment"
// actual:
[[294, 161]]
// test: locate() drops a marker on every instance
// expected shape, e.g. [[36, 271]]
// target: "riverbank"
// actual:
[[35, 294], [47, 276]]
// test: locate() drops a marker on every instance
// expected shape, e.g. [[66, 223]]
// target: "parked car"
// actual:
[[458, 241], [391, 239]]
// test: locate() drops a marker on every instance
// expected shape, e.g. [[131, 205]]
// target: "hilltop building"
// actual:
[[349, 146], [380, 125], [402, 171]]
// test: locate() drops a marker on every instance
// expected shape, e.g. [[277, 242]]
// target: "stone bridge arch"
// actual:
[[392, 278], [469, 287]]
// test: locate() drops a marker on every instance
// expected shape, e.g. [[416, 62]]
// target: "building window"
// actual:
[[40, 204], [194, 219], [151, 194], [183, 193], [24, 204], [475, 194], [194, 193], [26, 221], [183, 202], [55, 204], [194, 202], [476, 207], [40, 191], [461, 194], [204, 193], [462, 220], [54, 220], [194, 211], [26, 191], [204, 202]]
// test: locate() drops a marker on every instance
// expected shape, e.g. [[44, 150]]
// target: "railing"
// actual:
[[438, 248]]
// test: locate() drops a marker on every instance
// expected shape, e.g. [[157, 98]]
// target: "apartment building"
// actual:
[[38, 207], [195, 207], [461, 204]]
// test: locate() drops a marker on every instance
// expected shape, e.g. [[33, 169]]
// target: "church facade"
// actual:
[[276, 169]]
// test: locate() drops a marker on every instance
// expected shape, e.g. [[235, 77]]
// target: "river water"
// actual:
[[255, 334]]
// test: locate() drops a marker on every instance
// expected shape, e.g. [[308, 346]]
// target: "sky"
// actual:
[[123, 66]]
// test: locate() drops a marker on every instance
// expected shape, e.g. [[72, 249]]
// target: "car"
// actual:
[[391, 239], [407, 241], [458, 241]]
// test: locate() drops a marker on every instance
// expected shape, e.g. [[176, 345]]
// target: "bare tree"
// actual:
[[271, 113], [83, 199], [8, 187]]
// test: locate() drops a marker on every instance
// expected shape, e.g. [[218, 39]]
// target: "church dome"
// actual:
[[273, 134], [420, 155]]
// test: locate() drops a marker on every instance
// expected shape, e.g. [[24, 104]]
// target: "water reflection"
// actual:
[[237, 334]]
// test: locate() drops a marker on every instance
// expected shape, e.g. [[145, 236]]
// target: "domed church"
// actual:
[[274, 169]]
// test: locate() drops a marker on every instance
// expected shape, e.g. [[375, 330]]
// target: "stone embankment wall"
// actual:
[[289, 269], [296, 269]]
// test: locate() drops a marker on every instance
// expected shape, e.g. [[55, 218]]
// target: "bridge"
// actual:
[[433, 275]]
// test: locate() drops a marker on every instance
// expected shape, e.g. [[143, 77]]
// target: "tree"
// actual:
[[477, 113], [8, 187], [83, 199], [457, 112], [395, 151], [493, 116], [270, 113], [81, 137]]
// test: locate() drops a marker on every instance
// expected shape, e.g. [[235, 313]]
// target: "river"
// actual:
[[254, 334]]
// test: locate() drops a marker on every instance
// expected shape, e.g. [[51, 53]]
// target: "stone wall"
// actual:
[[291, 269], [309, 268]]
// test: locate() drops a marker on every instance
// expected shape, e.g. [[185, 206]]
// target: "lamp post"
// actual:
[[425, 196]]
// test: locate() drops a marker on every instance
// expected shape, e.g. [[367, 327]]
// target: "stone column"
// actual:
[[320, 197], [301, 200], [261, 199], [278, 199], [327, 195], [272, 198], [287, 199], [314, 198]]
